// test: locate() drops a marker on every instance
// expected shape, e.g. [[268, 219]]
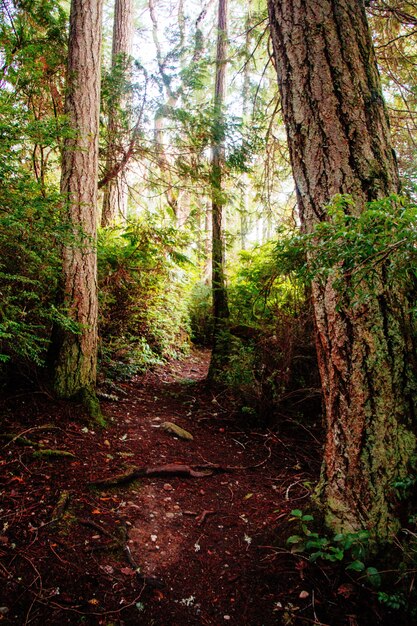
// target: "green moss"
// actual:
[[91, 404], [48, 453]]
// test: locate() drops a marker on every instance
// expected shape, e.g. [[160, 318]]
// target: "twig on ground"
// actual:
[[200, 519]]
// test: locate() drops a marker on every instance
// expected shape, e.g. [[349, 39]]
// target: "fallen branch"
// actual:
[[46, 453], [61, 506], [22, 440], [173, 469]]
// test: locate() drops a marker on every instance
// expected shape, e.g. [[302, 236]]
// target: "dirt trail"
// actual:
[[204, 545]]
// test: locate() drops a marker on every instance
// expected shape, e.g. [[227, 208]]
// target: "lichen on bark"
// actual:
[[339, 143]]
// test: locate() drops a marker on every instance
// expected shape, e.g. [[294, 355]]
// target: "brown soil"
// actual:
[[168, 550]]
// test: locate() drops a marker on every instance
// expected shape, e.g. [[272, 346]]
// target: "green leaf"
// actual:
[[356, 566], [297, 513], [294, 539], [373, 576]]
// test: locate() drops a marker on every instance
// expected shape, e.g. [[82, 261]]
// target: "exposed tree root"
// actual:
[[173, 469]]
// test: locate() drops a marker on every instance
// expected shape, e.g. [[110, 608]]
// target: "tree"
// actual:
[[339, 143], [220, 305], [75, 370], [116, 191]]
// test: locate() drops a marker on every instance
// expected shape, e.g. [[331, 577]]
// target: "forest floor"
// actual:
[[198, 539]]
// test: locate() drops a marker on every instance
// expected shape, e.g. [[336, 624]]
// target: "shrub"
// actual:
[[201, 314], [143, 294], [273, 355], [30, 267]]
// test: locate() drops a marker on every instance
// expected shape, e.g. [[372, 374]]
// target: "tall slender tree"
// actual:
[[220, 301], [116, 190], [339, 143], [75, 370]]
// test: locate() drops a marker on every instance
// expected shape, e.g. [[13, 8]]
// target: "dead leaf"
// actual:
[[128, 571], [346, 590], [93, 601], [158, 594]]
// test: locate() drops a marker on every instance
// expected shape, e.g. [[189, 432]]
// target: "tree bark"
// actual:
[[220, 301], [116, 191], [339, 143], [75, 370]]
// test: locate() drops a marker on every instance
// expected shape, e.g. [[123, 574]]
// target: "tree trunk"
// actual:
[[339, 142], [116, 191], [220, 303], [244, 179], [77, 357]]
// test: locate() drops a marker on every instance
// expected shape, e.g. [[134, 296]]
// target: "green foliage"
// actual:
[[201, 314], [395, 601], [350, 548], [260, 288], [143, 296], [272, 353], [353, 250], [30, 265], [404, 486]]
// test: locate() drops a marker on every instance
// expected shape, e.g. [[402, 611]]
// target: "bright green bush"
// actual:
[[201, 314], [30, 266], [143, 293], [272, 353]]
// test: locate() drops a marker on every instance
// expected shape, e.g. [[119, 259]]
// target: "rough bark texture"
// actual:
[[220, 302], [339, 142], [77, 358], [116, 191]]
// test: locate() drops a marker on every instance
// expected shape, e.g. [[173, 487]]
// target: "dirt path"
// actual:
[[204, 544]]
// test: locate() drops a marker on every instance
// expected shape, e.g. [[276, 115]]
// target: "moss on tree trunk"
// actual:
[[339, 143], [76, 364]]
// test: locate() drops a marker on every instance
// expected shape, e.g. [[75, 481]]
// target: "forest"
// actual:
[[208, 318]]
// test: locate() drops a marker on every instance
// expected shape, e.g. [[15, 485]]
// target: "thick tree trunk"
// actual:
[[116, 191], [77, 358], [339, 142], [220, 302]]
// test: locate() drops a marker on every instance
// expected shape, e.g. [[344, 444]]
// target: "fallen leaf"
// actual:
[[158, 594], [248, 495], [345, 590], [127, 571], [93, 601], [96, 512]]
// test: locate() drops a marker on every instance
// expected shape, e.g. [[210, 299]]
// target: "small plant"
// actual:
[[395, 601], [404, 486], [349, 547]]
